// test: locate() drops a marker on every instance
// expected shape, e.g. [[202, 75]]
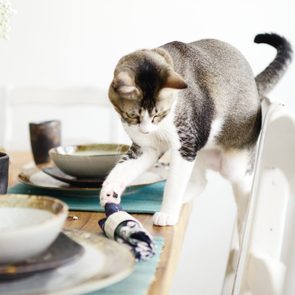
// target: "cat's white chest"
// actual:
[[163, 138]]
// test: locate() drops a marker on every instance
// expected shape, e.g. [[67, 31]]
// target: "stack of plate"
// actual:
[[37, 257], [84, 167], [77, 262]]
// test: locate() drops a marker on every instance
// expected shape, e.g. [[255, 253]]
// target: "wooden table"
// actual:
[[87, 221]]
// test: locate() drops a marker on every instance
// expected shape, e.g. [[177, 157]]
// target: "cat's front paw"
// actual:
[[111, 193], [163, 218]]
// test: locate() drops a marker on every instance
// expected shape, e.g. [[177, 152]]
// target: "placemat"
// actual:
[[146, 199], [140, 280]]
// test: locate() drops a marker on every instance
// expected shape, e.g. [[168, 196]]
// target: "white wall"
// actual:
[[78, 42], [58, 43]]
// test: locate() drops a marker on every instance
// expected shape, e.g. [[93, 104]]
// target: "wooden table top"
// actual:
[[87, 221]]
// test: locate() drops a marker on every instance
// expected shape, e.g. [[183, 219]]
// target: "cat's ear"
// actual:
[[164, 54], [125, 86], [174, 80]]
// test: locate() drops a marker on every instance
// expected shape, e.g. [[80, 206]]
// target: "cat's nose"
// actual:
[[144, 130]]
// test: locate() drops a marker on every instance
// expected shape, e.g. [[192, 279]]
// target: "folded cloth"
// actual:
[[124, 228]]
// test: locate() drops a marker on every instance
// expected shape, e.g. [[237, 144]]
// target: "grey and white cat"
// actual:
[[202, 102]]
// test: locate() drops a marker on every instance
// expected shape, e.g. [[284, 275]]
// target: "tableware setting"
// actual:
[[101, 263], [27, 218], [87, 161], [37, 256], [76, 167], [62, 251], [73, 262], [44, 136], [4, 165], [155, 174], [56, 173], [34, 276]]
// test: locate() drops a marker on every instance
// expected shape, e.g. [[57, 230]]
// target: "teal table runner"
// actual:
[[146, 199], [140, 280]]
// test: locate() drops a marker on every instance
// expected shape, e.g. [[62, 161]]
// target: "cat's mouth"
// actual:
[[146, 129]]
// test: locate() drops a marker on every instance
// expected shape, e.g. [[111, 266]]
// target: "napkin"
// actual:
[[124, 228]]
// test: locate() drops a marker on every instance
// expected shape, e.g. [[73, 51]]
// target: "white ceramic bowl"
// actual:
[[87, 161], [28, 225]]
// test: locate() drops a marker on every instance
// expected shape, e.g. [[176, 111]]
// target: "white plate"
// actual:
[[104, 263], [35, 177]]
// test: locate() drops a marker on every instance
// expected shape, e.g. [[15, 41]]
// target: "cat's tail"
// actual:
[[271, 75]]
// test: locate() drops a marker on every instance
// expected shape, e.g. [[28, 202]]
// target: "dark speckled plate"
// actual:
[[35, 177], [74, 181], [103, 263], [62, 251]]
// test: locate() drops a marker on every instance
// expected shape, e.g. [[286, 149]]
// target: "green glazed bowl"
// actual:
[[87, 161]]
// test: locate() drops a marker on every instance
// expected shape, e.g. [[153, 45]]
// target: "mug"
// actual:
[[4, 163], [44, 136]]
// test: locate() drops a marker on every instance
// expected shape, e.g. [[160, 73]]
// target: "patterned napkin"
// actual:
[[124, 228]]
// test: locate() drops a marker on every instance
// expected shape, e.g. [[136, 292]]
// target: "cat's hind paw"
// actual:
[[163, 219], [111, 193]]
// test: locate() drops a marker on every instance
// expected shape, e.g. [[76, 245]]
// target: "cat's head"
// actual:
[[143, 88]]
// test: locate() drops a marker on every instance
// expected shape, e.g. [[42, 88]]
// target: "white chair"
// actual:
[[85, 112], [267, 258]]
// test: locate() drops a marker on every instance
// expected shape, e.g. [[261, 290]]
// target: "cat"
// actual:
[[199, 100]]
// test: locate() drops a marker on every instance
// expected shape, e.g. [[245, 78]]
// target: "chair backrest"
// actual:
[[85, 113], [267, 259]]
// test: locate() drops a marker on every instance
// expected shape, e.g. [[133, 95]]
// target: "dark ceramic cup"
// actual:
[[4, 163], [44, 136]]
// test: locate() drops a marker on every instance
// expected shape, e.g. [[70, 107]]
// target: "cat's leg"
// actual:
[[134, 163], [179, 175], [237, 167], [197, 182], [242, 190], [206, 159]]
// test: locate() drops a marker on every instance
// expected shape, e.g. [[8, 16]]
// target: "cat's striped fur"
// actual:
[[201, 101]]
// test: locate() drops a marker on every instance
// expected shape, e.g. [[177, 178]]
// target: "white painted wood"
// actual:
[[4, 115], [265, 275], [267, 260], [85, 112], [59, 96], [270, 217], [266, 271]]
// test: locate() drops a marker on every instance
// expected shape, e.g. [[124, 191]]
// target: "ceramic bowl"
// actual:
[[87, 161], [28, 225]]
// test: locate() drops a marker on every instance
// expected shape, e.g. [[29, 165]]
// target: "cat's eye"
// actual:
[[159, 116], [132, 116]]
